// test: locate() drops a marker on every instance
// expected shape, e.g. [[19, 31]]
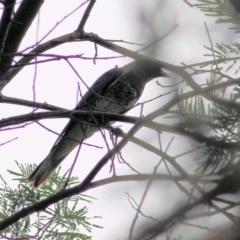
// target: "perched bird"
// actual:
[[116, 91]]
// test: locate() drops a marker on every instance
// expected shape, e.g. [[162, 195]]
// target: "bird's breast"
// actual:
[[117, 98]]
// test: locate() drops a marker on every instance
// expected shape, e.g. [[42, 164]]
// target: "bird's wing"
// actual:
[[100, 86]]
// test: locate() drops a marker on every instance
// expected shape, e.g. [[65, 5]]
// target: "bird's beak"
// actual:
[[164, 74]]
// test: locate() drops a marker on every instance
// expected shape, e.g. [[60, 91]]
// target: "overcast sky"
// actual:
[[137, 21]]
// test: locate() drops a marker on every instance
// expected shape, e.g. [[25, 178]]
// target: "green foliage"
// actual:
[[228, 54], [218, 118], [225, 11], [66, 219]]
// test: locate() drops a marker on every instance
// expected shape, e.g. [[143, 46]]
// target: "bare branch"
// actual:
[[229, 184], [5, 21], [138, 209], [69, 38], [1, 144], [74, 190], [85, 17], [67, 114], [140, 177], [22, 20], [27, 103]]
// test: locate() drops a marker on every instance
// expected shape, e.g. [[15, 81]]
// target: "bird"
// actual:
[[115, 91]]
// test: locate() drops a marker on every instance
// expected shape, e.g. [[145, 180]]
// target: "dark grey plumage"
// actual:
[[116, 91]]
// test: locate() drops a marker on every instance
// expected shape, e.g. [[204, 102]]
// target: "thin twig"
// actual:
[[27, 103], [145, 193]]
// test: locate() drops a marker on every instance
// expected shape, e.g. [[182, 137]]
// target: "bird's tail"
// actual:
[[58, 153], [44, 170]]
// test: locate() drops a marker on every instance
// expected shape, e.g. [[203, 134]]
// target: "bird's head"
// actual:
[[148, 70]]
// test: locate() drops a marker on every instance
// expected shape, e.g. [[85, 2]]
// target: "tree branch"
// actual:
[[83, 36], [22, 20], [67, 114], [85, 17], [228, 185], [27, 103], [74, 190], [5, 21]]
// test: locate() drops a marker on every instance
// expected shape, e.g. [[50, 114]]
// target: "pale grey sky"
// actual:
[[56, 84]]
